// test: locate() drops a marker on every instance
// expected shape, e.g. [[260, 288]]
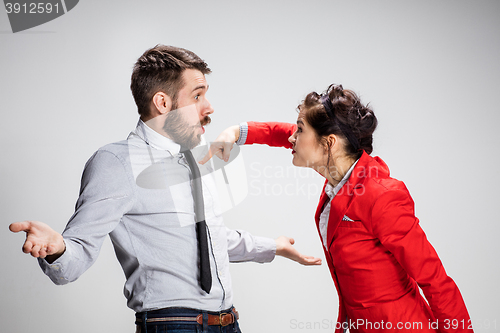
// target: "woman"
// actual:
[[376, 251]]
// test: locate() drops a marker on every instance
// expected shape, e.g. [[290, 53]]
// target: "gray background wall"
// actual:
[[430, 69]]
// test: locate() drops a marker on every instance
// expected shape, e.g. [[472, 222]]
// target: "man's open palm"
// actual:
[[41, 240]]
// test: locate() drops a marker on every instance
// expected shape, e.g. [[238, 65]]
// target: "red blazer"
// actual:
[[377, 253]]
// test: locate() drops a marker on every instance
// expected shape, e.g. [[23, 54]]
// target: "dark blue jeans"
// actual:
[[156, 322]]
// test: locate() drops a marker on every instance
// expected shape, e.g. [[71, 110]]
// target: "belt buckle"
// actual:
[[221, 316]]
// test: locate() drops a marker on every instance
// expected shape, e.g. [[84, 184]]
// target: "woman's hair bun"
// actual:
[[350, 117]]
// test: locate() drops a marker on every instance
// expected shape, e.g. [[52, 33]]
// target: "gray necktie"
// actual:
[[201, 225]]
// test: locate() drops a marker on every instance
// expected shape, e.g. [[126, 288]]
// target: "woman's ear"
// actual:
[[331, 141], [162, 103]]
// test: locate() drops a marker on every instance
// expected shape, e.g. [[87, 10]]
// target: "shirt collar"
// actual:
[[155, 139], [332, 191]]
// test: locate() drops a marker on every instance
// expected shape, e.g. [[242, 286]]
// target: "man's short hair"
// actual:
[[160, 69]]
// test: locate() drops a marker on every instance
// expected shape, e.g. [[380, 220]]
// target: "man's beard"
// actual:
[[179, 130]]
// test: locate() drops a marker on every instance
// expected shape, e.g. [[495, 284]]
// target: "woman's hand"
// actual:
[[223, 144], [284, 248]]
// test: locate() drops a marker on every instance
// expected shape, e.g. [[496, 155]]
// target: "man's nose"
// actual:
[[207, 108]]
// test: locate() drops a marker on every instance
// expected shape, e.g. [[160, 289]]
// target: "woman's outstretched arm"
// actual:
[[274, 134]]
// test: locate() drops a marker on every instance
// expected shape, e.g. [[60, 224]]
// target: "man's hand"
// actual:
[[41, 240], [285, 249], [223, 144]]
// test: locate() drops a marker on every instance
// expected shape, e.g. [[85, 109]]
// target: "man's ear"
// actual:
[[162, 103]]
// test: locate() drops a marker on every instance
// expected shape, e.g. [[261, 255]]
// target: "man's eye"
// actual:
[[197, 97]]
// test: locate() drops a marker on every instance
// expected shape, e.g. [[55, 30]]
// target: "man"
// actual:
[[163, 217]]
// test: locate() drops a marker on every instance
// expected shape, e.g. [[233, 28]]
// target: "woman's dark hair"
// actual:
[[160, 69], [339, 111]]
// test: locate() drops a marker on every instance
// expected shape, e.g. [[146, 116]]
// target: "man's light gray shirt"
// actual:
[[139, 192]]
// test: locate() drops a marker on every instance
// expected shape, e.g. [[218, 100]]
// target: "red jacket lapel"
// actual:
[[322, 201]]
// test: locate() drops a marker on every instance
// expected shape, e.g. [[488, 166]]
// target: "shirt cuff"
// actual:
[[56, 270], [266, 249], [243, 134]]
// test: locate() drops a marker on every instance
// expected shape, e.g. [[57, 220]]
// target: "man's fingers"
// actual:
[[42, 253], [309, 260], [27, 247], [51, 250], [35, 252], [284, 248], [20, 226], [312, 261]]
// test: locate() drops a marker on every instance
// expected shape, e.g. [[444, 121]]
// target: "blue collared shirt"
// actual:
[[138, 192]]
